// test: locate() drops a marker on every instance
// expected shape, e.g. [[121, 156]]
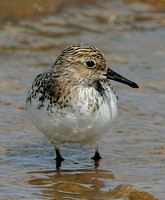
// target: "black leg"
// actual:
[[97, 156], [58, 158]]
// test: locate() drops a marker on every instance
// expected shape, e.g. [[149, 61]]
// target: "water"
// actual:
[[132, 38]]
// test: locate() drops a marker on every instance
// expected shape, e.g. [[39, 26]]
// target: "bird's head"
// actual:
[[85, 64]]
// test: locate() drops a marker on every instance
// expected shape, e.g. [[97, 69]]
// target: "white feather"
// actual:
[[77, 124]]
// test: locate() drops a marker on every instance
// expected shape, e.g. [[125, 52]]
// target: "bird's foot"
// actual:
[[96, 158], [58, 159]]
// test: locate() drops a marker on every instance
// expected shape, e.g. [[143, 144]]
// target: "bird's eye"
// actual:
[[90, 64]]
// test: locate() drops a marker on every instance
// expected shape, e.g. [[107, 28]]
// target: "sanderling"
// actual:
[[74, 101]]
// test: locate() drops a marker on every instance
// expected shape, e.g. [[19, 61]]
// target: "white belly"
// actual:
[[77, 124]]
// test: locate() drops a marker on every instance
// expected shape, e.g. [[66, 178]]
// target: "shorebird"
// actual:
[[74, 101]]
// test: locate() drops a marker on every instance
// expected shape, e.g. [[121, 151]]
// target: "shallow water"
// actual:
[[132, 38]]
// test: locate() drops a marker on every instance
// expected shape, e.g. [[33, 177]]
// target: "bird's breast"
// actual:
[[92, 103], [87, 114]]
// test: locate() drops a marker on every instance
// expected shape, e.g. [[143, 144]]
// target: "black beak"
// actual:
[[117, 77]]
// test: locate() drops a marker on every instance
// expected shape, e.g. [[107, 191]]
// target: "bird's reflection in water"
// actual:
[[83, 184], [63, 184]]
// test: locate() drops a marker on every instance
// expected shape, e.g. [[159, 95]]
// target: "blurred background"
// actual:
[[131, 34]]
